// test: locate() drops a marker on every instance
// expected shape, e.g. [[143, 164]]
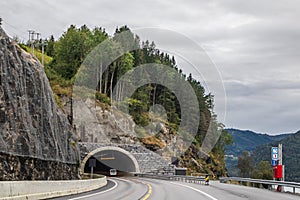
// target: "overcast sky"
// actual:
[[254, 44]]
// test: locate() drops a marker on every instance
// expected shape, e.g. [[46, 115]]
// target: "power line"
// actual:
[[34, 39], [16, 29]]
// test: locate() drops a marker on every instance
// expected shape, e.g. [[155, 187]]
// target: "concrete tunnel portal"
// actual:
[[110, 158]]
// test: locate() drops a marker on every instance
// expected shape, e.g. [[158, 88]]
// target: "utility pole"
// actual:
[[37, 42], [280, 160], [43, 52], [29, 35], [32, 41]]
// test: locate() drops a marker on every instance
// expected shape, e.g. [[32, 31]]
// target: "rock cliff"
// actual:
[[36, 139]]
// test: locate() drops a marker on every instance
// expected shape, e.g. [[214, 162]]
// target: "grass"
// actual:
[[38, 54], [154, 141]]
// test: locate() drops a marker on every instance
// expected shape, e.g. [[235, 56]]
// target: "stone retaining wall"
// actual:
[[14, 168]]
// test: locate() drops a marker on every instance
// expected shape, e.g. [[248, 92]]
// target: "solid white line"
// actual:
[[209, 196], [90, 195]]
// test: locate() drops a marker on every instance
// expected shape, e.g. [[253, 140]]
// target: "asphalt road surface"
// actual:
[[131, 188]]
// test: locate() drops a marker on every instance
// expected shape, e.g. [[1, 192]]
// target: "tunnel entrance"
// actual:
[[110, 158]]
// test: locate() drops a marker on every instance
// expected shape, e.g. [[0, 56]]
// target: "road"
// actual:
[[151, 189]]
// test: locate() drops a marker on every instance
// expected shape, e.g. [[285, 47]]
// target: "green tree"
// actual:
[[50, 46], [245, 165], [68, 53], [263, 171]]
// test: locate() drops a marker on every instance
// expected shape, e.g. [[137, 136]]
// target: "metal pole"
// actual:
[[43, 52], [280, 154], [92, 171], [32, 42], [280, 163]]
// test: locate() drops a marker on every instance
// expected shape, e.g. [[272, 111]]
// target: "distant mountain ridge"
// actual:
[[245, 140]]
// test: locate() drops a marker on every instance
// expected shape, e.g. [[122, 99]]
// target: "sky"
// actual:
[[254, 45]]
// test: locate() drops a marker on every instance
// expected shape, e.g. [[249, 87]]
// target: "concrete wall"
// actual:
[[47, 189]]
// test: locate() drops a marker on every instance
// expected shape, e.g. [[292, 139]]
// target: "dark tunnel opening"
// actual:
[[111, 159]]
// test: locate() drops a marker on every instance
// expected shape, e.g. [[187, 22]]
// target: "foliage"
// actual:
[[245, 165], [102, 98], [264, 170], [38, 54], [248, 141], [291, 159], [245, 141], [50, 46], [72, 48]]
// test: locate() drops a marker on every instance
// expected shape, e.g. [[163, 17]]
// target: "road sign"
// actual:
[[274, 163], [92, 162], [274, 152]]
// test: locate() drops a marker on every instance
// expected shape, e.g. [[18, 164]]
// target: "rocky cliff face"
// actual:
[[34, 133]]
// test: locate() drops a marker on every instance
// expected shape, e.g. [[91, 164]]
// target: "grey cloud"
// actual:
[[255, 45]]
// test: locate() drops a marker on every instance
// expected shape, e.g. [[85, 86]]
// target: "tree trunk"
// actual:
[[111, 84], [105, 84], [100, 78]]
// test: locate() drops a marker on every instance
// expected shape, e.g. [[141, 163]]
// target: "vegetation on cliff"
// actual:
[[69, 52]]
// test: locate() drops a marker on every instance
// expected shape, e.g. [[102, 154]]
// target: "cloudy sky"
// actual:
[[254, 44]]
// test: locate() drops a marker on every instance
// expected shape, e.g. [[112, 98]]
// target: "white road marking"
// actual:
[[209, 196], [90, 195]]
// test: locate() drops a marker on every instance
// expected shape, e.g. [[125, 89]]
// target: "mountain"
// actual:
[[245, 140], [291, 156]]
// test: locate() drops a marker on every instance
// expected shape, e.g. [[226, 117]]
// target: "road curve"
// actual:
[[133, 188], [177, 190], [116, 188]]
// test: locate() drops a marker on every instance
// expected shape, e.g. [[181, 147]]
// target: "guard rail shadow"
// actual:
[[260, 182]]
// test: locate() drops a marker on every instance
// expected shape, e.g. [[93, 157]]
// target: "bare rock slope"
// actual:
[[36, 139]]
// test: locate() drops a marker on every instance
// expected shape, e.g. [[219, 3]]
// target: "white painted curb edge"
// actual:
[[31, 190]]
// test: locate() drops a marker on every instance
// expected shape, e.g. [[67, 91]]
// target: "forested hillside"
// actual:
[[245, 140], [291, 157], [67, 53], [249, 140]]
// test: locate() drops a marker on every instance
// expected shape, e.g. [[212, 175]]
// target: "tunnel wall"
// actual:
[[112, 148]]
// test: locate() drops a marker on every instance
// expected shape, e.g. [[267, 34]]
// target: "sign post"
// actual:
[[92, 164], [276, 155]]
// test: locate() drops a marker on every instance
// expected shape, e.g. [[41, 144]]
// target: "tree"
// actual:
[[50, 46], [245, 165], [263, 171], [0, 21], [70, 51]]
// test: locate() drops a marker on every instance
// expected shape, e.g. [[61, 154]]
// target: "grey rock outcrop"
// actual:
[[31, 124]]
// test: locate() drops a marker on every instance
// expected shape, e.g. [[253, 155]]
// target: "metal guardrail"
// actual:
[[270, 183], [188, 179]]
